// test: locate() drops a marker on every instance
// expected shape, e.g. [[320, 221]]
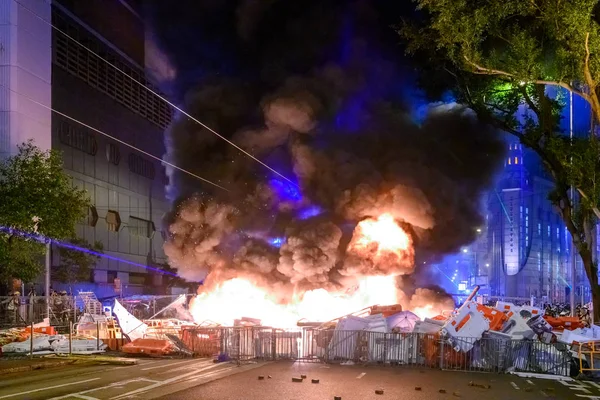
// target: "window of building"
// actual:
[[113, 155], [92, 216], [113, 221], [509, 162], [141, 227], [76, 60], [141, 166], [539, 229], [516, 160], [77, 138]]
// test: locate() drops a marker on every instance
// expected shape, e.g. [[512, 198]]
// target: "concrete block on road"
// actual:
[[299, 380], [315, 381], [378, 391]]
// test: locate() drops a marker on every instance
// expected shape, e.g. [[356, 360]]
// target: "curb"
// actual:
[[68, 361]]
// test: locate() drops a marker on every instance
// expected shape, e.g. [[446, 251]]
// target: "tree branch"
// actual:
[[490, 71], [585, 196]]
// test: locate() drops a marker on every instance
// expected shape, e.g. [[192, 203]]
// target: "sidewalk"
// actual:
[[9, 365]]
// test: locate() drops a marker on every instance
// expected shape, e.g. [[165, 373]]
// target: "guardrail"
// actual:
[[401, 349]]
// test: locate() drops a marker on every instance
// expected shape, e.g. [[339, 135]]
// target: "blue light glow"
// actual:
[[44, 239], [310, 212], [285, 190], [277, 241]]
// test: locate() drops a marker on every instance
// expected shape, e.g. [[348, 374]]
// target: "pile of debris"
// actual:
[[44, 340], [474, 336]]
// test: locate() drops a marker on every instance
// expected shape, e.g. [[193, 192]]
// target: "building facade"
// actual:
[[125, 185]]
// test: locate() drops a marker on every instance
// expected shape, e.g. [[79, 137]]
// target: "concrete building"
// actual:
[[126, 186]]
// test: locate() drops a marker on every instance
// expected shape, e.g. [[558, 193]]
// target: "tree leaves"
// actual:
[[33, 186], [500, 58]]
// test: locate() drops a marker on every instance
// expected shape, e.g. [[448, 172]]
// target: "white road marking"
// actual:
[[361, 375], [80, 396], [543, 393], [514, 385], [531, 383], [159, 384], [188, 367], [48, 388], [576, 386], [114, 385], [168, 365], [589, 397], [596, 385]]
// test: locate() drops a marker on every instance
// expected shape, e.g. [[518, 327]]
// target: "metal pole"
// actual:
[[31, 341], [573, 269], [97, 335], [47, 280], [70, 337]]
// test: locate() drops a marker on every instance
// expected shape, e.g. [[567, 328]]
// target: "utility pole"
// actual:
[[47, 280], [572, 252]]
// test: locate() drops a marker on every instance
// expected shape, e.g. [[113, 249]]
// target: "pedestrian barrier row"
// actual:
[[400, 349]]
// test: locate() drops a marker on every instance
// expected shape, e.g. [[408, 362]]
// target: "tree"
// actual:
[[35, 196], [76, 265], [500, 57]]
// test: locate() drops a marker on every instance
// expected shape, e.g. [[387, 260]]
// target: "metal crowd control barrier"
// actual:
[[399, 349], [588, 354], [21, 311]]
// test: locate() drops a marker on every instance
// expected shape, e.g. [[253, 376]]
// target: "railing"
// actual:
[[25, 310], [401, 349]]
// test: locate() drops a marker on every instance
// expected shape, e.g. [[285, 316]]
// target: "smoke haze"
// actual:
[[308, 89]]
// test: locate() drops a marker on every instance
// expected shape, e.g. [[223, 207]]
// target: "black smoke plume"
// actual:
[[314, 90]]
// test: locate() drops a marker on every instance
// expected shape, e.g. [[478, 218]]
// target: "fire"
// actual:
[[381, 239], [427, 311], [238, 298], [385, 232]]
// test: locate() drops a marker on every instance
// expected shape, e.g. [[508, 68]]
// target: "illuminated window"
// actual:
[[509, 161], [516, 160], [113, 221]]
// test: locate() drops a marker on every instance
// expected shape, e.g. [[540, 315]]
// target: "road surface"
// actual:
[[146, 380], [360, 383]]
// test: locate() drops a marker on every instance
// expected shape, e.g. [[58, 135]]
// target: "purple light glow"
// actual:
[[44, 239]]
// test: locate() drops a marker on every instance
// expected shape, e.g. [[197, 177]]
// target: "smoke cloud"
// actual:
[[297, 86]]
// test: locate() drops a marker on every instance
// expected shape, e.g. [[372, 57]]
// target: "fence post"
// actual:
[[70, 337], [31, 341], [97, 335], [441, 353], [273, 344], [193, 334]]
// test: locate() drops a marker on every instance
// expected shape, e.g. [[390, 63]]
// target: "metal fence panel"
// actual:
[[24, 310]]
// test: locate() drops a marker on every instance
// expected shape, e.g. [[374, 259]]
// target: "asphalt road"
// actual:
[[149, 379], [360, 383]]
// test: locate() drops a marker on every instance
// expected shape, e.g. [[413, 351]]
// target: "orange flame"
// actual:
[[384, 232], [237, 298]]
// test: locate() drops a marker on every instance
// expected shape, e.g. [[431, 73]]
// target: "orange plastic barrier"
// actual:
[[151, 347], [48, 330], [562, 323], [387, 311]]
